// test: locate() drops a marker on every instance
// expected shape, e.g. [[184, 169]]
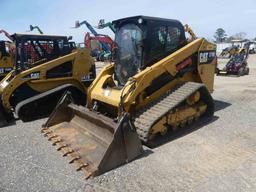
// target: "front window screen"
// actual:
[[129, 54]]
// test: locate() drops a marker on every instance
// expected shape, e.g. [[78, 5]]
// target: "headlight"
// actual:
[[140, 20]]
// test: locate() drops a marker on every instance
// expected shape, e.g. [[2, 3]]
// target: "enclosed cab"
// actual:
[[142, 41]]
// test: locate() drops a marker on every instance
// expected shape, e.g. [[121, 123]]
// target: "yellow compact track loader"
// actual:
[[45, 67], [160, 80]]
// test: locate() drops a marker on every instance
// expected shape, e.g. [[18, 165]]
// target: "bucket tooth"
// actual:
[[66, 151], [44, 129], [46, 133], [72, 159], [51, 136], [79, 166], [56, 140], [93, 142], [61, 146], [87, 174]]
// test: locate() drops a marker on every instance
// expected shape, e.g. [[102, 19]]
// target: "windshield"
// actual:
[[129, 54]]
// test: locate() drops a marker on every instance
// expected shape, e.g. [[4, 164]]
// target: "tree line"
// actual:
[[220, 36]]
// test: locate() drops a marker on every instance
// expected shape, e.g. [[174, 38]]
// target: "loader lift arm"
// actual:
[[191, 32]]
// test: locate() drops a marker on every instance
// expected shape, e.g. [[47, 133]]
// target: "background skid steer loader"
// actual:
[[45, 67], [237, 65], [160, 81]]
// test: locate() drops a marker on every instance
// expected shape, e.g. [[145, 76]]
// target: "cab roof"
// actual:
[[16, 36], [147, 18]]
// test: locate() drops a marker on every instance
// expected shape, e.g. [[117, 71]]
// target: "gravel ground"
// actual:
[[216, 155]]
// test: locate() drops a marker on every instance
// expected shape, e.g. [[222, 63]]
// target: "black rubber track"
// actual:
[[41, 105], [147, 117]]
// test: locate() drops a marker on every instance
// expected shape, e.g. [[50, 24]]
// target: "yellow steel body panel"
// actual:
[[6, 62], [133, 91]]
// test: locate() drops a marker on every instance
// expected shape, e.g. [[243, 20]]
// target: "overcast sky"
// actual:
[[57, 16]]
